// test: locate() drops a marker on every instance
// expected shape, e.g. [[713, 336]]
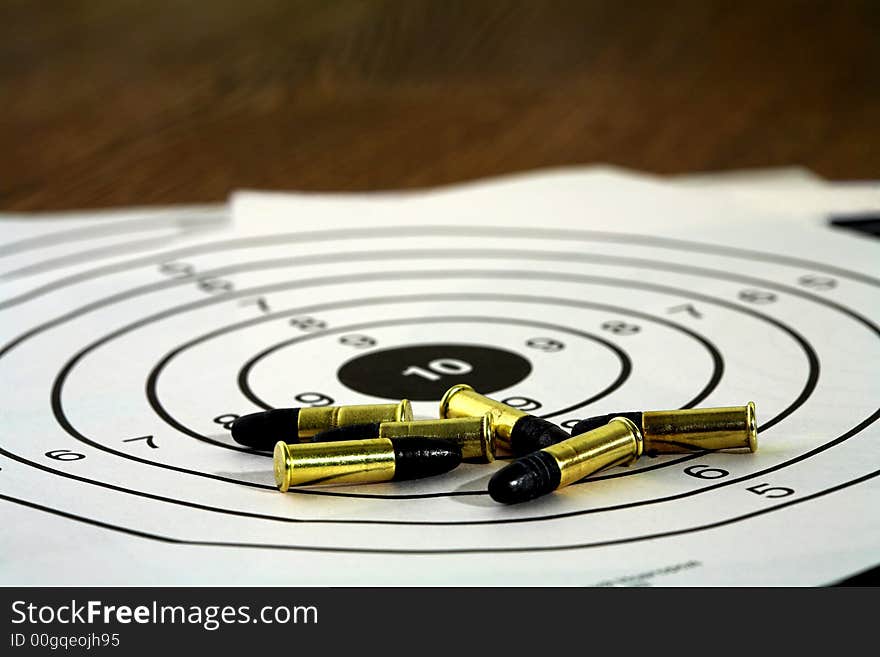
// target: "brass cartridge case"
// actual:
[[315, 419], [698, 429], [617, 443], [342, 462], [463, 401], [472, 434]]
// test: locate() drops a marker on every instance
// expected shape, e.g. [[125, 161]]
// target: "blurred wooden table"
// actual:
[[117, 102]]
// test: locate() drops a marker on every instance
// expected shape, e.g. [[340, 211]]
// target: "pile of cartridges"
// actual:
[[382, 442]]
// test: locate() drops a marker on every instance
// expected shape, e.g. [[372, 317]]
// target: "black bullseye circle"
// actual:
[[424, 372]]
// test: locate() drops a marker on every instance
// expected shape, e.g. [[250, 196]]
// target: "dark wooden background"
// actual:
[[117, 102]]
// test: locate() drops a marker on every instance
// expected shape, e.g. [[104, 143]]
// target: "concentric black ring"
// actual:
[[56, 396], [433, 230], [486, 550], [817, 266], [718, 363]]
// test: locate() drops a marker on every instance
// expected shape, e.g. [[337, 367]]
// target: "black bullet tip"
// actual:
[[601, 420], [262, 430], [525, 479], [416, 457], [530, 433], [348, 432]]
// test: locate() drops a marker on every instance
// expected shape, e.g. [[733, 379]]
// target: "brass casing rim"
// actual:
[[280, 460], [444, 402], [488, 438], [637, 433], [578, 457], [404, 412], [752, 426]]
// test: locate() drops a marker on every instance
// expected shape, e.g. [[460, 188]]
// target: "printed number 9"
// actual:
[[522, 403], [226, 420]]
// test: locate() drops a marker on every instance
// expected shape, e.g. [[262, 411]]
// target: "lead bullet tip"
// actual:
[[262, 430], [531, 433], [525, 479]]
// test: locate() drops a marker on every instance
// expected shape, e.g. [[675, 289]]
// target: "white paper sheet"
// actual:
[[119, 378]]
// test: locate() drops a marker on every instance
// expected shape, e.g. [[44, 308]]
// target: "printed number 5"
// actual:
[[771, 491]]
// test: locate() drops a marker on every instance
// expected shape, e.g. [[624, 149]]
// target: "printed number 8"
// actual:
[[314, 399], [545, 344], [226, 420]]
